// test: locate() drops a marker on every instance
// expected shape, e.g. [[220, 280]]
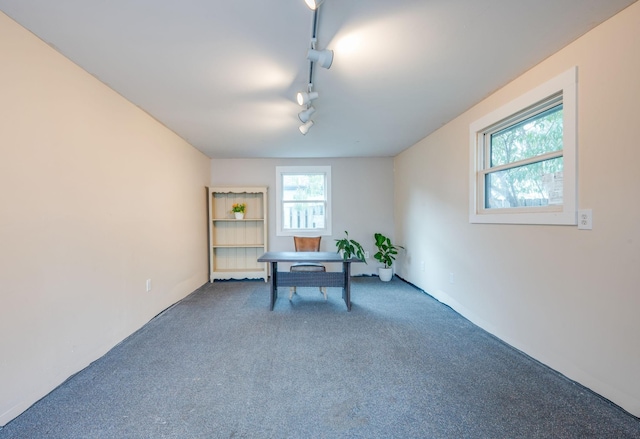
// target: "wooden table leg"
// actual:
[[274, 285]]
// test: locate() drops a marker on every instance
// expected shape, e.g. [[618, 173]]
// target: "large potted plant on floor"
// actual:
[[386, 254], [350, 248]]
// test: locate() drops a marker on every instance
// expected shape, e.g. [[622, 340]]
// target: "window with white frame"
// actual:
[[303, 200], [523, 158]]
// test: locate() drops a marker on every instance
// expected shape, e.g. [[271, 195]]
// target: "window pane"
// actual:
[[303, 215], [534, 136], [537, 184], [303, 187]]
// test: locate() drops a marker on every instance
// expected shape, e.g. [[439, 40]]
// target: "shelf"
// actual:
[[238, 275], [236, 244], [239, 246], [234, 220], [234, 190], [237, 270]]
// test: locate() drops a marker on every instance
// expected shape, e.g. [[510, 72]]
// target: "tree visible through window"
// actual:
[[526, 161], [303, 200], [523, 158]]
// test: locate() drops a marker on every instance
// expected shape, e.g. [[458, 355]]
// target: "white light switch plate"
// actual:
[[585, 219]]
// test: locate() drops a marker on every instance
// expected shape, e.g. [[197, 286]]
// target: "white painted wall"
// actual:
[[566, 297], [96, 198], [362, 198]]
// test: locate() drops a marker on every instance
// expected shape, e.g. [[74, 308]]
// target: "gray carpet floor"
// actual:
[[219, 364]]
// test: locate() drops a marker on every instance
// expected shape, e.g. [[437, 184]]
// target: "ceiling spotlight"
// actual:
[[306, 114], [304, 128], [304, 98], [313, 4], [322, 57]]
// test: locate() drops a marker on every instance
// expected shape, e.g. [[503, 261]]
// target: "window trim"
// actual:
[[565, 214], [280, 170]]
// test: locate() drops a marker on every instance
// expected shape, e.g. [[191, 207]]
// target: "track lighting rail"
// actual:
[[324, 58]]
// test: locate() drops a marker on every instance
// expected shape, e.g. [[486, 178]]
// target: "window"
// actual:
[[303, 198], [523, 158]]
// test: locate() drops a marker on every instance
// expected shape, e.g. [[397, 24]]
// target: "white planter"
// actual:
[[385, 274], [239, 215]]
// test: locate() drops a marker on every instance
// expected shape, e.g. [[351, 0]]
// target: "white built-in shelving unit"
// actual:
[[236, 244]]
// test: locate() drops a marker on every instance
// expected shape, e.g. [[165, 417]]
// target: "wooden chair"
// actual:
[[307, 244]]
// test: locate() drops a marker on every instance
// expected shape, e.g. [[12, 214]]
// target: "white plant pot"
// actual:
[[239, 215], [385, 274]]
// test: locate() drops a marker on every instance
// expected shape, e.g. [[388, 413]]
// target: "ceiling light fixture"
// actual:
[[304, 128], [313, 4], [304, 98], [322, 57], [305, 115]]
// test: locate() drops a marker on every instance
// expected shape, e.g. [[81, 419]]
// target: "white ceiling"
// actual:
[[223, 74]]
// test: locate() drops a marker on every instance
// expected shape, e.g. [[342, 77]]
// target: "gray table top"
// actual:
[[304, 257]]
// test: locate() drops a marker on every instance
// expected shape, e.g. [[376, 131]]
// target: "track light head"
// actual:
[[304, 128], [305, 115], [304, 98], [313, 4], [322, 57]]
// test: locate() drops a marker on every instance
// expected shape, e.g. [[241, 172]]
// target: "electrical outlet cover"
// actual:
[[585, 219]]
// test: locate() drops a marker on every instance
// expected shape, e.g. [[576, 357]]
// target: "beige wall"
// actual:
[[362, 198], [96, 198], [567, 297]]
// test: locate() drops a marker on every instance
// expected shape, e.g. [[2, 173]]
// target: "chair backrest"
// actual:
[[307, 243]]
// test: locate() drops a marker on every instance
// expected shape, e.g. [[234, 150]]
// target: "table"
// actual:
[[341, 279]]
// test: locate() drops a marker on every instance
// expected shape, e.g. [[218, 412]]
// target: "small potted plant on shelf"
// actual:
[[386, 254], [350, 248], [238, 210]]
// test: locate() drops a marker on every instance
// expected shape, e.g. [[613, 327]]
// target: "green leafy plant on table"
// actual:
[[350, 248]]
